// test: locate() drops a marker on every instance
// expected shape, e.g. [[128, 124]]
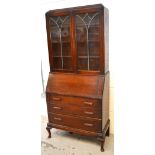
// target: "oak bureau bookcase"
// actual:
[[77, 91]]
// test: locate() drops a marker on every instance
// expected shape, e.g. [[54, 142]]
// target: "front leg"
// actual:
[[102, 140], [102, 145], [102, 136], [108, 131], [48, 128]]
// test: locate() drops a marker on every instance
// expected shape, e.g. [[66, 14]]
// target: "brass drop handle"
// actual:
[[58, 119], [58, 108], [88, 112], [88, 124], [56, 98], [88, 103]]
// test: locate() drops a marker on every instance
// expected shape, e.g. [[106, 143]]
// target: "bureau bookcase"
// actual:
[[77, 92]]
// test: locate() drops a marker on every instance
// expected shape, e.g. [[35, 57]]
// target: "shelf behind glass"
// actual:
[[87, 57], [55, 56], [58, 42]]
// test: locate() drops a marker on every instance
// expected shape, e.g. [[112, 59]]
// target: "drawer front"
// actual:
[[75, 122], [78, 101], [60, 108]]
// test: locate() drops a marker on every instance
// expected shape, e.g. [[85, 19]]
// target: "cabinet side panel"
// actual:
[[49, 41], [106, 38], [105, 101]]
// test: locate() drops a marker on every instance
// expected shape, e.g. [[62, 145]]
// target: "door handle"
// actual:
[[58, 108], [88, 103], [58, 119], [88, 112], [88, 124]]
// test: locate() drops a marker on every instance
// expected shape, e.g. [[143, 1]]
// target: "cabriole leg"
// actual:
[[48, 128], [102, 145], [108, 131], [102, 140]]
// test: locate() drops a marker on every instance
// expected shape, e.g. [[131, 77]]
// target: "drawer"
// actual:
[[93, 125], [60, 108], [78, 101]]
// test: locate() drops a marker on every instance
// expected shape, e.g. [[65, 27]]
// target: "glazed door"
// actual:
[[88, 41], [60, 47]]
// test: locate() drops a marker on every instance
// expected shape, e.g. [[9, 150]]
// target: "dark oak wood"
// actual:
[[71, 109], [74, 101], [77, 92], [83, 123], [101, 137], [108, 132], [76, 85], [48, 128], [98, 65]]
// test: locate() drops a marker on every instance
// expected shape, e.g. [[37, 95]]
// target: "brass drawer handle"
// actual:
[[58, 119], [56, 98], [58, 108], [88, 112], [88, 103], [88, 124]]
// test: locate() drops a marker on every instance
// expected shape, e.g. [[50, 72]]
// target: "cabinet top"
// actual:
[[78, 39], [94, 7]]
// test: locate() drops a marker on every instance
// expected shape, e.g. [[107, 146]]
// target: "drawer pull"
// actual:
[[89, 113], [58, 108], [56, 98], [88, 124], [88, 103], [58, 119]]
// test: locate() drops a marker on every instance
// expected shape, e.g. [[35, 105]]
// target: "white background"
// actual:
[[132, 44]]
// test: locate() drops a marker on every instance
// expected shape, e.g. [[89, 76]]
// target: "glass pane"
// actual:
[[94, 63], [56, 49], [60, 39], [81, 37], [67, 63], [65, 34], [93, 37], [93, 33], [55, 34], [87, 37], [82, 63], [94, 49], [82, 49], [57, 63], [66, 49]]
